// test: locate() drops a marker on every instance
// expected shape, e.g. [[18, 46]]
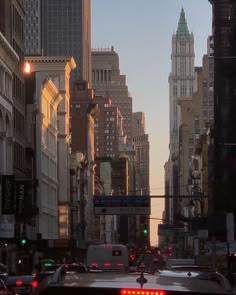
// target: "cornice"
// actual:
[[52, 59], [8, 47]]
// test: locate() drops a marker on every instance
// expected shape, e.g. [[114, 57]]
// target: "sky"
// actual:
[[141, 33]]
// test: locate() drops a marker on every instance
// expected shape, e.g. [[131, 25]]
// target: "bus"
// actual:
[[108, 257]]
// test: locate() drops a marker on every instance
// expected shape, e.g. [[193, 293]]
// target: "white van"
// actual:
[[108, 257]]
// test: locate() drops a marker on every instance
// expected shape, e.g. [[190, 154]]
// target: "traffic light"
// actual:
[[169, 251], [145, 231], [23, 241]]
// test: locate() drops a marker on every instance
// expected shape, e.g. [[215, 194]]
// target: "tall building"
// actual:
[[224, 136], [181, 83], [52, 142], [12, 122], [108, 82], [8, 60], [83, 113], [60, 28], [141, 175], [106, 128], [32, 30], [192, 125], [142, 157], [11, 25]]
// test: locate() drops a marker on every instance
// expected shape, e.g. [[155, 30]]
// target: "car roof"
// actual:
[[135, 281]]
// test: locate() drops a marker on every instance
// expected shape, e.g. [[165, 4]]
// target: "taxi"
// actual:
[[116, 283]]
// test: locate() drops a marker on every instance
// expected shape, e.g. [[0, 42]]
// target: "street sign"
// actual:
[[122, 210], [121, 201], [122, 205]]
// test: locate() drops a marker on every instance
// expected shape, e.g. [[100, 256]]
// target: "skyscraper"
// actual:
[[142, 149], [32, 28], [108, 82], [181, 83], [224, 136], [61, 28]]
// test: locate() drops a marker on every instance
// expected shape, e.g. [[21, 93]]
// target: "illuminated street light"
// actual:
[[27, 68]]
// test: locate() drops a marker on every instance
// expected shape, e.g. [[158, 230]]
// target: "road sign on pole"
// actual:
[[121, 205]]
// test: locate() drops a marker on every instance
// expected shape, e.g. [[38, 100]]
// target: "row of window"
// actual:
[[18, 88], [18, 50], [49, 166], [5, 83], [101, 75], [19, 122], [49, 140], [18, 23], [49, 112], [18, 156]]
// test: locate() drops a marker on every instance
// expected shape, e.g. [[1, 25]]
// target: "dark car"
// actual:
[[22, 284], [49, 270]]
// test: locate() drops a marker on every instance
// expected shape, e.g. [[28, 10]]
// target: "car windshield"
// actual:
[[118, 144]]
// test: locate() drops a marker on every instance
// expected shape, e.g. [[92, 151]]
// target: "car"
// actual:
[[118, 283], [49, 270], [22, 284]]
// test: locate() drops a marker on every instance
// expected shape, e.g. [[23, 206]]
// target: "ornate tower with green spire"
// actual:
[[182, 30], [181, 83]]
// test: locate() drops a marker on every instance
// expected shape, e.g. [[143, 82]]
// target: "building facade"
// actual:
[[84, 110], [32, 29], [181, 83], [52, 142], [224, 137], [8, 61], [142, 155], [108, 82], [66, 31], [106, 128], [12, 161]]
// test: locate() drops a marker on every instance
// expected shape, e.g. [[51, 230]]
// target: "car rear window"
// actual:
[[25, 279]]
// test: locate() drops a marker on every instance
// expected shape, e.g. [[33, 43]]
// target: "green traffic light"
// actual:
[[145, 231], [23, 241]]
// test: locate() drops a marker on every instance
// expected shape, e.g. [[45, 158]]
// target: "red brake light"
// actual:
[[94, 264], [120, 264], [107, 264], [35, 284], [142, 292], [19, 283]]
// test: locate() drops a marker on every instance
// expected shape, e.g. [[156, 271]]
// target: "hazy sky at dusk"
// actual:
[[141, 32]]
